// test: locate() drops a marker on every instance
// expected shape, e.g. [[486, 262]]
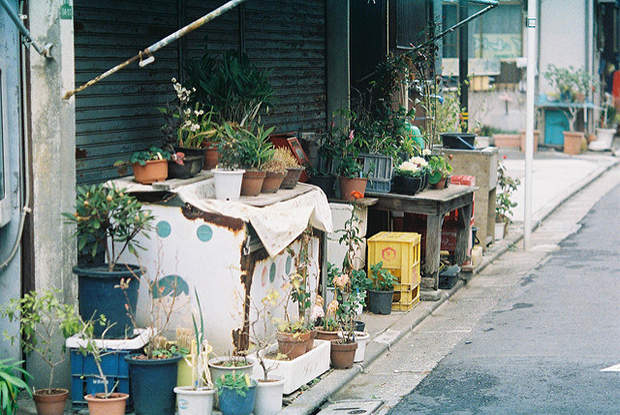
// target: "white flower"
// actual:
[[195, 127], [174, 80], [426, 152]]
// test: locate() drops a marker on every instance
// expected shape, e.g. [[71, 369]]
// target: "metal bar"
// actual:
[[487, 2], [22, 29], [147, 53], [412, 49], [464, 67]]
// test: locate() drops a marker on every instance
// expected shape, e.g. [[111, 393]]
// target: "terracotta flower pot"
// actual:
[[272, 182], [252, 182], [342, 354], [292, 345], [50, 402], [114, 405], [441, 184], [153, 171], [572, 142], [350, 187], [327, 335], [310, 343], [212, 157]]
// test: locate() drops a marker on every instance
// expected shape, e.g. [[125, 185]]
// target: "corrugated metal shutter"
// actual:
[[287, 38], [117, 116]]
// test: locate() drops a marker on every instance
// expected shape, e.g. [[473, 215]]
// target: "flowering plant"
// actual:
[[414, 167], [438, 168], [187, 125]]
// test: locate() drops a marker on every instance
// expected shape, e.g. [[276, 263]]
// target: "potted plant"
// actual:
[[411, 176], [293, 168], [348, 166], [276, 169], [42, 319], [153, 372], [506, 186], [111, 219], [438, 170], [236, 393], [11, 385], [228, 175], [199, 396], [380, 295], [608, 127], [255, 150], [107, 402], [572, 86], [322, 174], [343, 349], [188, 128], [149, 166]]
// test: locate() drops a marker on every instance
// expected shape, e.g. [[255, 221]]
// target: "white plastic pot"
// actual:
[[604, 139], [227, 183], [269, 395], [361, 338], [194, 401], [500, 231]]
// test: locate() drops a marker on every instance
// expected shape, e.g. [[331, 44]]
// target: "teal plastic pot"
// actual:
[[152, 384], [97, 295], [380, 302], [232, 403]]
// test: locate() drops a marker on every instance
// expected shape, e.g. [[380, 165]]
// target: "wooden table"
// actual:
[[435, 204]]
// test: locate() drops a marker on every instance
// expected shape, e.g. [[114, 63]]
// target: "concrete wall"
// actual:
[[10, 275], [53, 153]]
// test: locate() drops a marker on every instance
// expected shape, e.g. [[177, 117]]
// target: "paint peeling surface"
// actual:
[[278, 219]]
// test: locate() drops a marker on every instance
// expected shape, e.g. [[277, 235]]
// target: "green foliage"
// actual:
[[187, 124], [239, 383], [244, 147], [438, 169], [153, 153], [572, 86], [42, 318], [103, 212], [506, 186], [382, 279], [414, 167], [230, 85], [11, 384], [342, 145]]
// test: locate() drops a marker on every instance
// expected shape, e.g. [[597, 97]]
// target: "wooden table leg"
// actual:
[[433, 247], [462, 235]]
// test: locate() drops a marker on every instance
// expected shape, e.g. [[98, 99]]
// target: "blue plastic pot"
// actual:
[[97, 295], [232, 403], [152, 384]]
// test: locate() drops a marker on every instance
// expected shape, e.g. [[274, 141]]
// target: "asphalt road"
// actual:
[[541, 348]]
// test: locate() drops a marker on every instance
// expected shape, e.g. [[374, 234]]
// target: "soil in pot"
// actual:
[[272, 182], [269, 395], [152, 384], [342, 354], [380, 302], [252, 183], [221, 365], [352, 187], [113, 405], [153, 171], [292, 178], [50, 401]]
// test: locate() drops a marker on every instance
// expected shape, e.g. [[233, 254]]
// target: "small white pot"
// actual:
[[500, 231], [604, 139], [361, 338], [269, 395], [227, 183], [194, 401]]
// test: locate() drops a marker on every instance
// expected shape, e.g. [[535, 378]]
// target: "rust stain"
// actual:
[[233, 224], [80, 153], [241, 336]]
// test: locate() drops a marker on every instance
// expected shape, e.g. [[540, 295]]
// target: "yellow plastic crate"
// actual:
[[400, 253], [405, 300]]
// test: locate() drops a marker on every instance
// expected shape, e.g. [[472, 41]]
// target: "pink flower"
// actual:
[[351, 136]]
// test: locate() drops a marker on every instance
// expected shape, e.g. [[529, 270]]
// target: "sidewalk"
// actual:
[[556, 178]]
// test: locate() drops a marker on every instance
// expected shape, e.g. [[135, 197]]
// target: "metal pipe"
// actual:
[[22, 29], [146, 56], [529, 124]]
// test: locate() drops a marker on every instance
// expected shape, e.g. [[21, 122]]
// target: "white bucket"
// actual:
[[361, 338], [194, 401], [227, 184], [604, 139]]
